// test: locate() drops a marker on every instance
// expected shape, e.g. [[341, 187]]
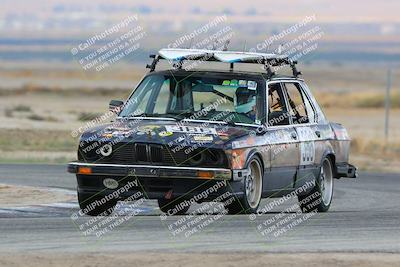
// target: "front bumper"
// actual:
[[149, 171], [156, 182]]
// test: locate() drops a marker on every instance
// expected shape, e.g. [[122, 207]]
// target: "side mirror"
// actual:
[[115, 106]]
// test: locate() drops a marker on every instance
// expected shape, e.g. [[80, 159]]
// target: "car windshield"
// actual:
[[199, 98]]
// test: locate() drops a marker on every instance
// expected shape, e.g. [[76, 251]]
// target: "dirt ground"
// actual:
[[30, 196], [122, 259]]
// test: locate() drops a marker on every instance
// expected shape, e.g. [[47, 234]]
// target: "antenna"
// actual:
[[225, 48], [244, 46], [267, 48], [191, 42], [280, 49], [215, 44]]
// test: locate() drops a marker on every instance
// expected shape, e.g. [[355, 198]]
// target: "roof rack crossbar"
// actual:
[[153, 64], [292, 64], [267, 67], [178, 64]]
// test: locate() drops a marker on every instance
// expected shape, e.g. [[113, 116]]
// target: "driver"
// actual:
[[245, 102]]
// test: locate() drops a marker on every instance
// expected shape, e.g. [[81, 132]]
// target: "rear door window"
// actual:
[[300, 108]]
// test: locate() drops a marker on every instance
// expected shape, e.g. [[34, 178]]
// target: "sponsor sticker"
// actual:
[[234, 83], [107, 135], [110, 183], [122, 133], [165, 133], [146, 128], [203, 138], [190, 129], [226, 82], [106, 150], [251, 85], [242, 83]]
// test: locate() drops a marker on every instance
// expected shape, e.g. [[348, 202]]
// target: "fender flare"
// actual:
[[329, 153], [252, 153]]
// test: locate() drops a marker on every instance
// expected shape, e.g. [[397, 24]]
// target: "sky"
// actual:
[[282, 10]]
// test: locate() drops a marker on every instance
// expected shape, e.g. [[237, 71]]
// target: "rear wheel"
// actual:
[[173, 206], [94, 205], [320, 197], [253, 190]]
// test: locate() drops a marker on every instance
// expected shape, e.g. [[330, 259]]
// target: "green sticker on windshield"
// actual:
[[234, 83], [226, 82]]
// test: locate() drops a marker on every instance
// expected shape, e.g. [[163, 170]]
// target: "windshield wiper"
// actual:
[[139, 115], [231, 123], [180, 115], [150, 115]]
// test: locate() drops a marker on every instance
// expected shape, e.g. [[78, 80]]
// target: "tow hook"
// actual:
[[168, 195]]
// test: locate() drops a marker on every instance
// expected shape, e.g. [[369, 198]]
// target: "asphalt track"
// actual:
[[364, 217]]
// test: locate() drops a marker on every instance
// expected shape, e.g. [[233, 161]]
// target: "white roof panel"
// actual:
[[223, 56], [178, 54]]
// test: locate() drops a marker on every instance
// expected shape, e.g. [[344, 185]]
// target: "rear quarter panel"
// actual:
[[341, 143]]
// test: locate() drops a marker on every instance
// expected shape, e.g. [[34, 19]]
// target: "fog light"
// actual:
[[85, 170]]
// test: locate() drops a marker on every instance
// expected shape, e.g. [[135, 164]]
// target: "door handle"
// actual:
[[318, 133], [294, 135]]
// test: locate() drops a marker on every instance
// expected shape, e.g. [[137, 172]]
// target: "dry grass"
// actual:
[[375, 154], [83, 91], [24, 111], [88, 116], [378, 147], [36, 140], [22, 108], [367, 99]]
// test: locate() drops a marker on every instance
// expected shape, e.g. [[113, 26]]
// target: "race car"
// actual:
[[196, 135]]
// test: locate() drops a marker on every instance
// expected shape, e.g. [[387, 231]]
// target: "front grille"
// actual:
[[156, 153], [173, 156], [123, 153], [142, 153]]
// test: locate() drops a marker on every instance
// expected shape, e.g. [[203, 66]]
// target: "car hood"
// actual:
[[201, 134]]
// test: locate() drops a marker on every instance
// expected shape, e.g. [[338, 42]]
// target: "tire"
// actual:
[[252, 190], [86, 200], [320, 197], [173, 206]]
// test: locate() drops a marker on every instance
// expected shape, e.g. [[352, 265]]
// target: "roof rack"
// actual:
[[177, 56]]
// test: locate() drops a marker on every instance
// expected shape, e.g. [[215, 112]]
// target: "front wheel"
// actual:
[[252, 190], [320, 197]]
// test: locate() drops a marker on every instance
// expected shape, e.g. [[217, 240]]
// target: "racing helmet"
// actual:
[[244, 100]]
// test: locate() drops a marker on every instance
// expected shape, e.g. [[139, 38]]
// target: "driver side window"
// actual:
[[277, 111]]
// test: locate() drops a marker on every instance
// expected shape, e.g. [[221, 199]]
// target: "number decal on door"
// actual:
[[307, 153]]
